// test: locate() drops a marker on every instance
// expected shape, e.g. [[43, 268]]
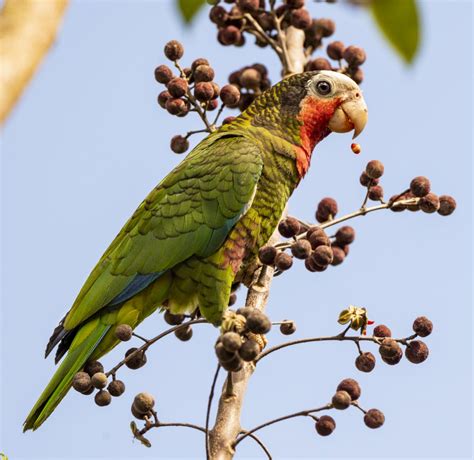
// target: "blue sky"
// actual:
[[86, 144]]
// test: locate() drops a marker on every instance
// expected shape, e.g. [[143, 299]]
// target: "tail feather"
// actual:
[[81, 349]]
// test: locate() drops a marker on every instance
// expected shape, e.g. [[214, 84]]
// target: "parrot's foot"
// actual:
[[232, 322]]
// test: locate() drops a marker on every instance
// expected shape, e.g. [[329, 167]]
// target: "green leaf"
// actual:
[[399, 22], [189, 8]]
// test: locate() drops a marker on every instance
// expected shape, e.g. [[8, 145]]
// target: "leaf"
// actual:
[[189, 8], [399, 22]]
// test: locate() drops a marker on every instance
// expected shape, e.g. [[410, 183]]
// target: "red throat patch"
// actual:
[[315, 115]]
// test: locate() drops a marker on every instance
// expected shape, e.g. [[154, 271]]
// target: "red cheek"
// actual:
[[315, 115]]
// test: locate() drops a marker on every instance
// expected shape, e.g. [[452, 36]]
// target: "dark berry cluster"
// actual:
[[416, 351], [310, 243], [370, 179], [419, 197], [242, 338], [249, 81]]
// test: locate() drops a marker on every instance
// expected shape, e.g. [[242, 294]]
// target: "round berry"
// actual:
[[324, 27], [354, 55], [99, 380], [222, 354], [123, 332], [417, 351], [229, 35], [116, 388], [345, 235], [137, 360], [289, 227], [374, 418], [179, 144], [163, 74], [144, 402], [287, 327], [322, 255], [420, 186], [376, 193], [352, 387], [374, 169], [218, 15], [231, 341], [234, 365], [318, 64], [300, 18], [327, 208], [230, 95], [365, 362], [250, 78], [173, 320], [423, 326], [382, 331], [341, 400], [301, 249], [102, 398], [163, 98], [175, 106], [248, 6], [429, 203], [249, 350], [447, 205], [203, 73], [325, 425], [174, 50], [204, 91], [81, 382], [184, 333], [92, 367], [258, 322], [338, 255], [283, 261], [389, 348], [335, 50], [395, 359]]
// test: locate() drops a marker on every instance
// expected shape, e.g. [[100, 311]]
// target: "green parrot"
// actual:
[[187, 242]]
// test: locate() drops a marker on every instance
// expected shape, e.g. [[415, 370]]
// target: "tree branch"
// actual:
[[27, 30]]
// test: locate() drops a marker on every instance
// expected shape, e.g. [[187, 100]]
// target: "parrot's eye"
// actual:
[[323, 87]]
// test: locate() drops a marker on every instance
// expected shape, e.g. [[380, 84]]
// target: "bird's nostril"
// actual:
[[357, 94]]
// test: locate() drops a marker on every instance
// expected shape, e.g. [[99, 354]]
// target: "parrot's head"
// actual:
[[306, 107]]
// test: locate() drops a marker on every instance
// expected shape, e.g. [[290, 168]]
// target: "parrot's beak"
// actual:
[[350, 115]]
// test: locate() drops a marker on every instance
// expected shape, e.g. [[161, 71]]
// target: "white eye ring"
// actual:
[[323, 87]]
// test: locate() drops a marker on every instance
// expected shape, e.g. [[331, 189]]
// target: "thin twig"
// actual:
[[303, 413], [150, 342], [335, 338], [260, 443], [208, 412]]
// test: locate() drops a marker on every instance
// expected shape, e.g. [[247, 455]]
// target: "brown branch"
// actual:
[[27, 30]]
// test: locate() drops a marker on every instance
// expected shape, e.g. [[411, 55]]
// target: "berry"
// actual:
[[300, 18], [283, 261], [429, 203], [338, 255], [258, 322], [81, 382], [116, 388], [356, 148], [197, 62], [234, 365], [175, 106], [218, 15], [389, 348], [341, 400], [203, 72], [374, 169], [417, 351], [231, 341], [232, 299], [92, 367], [137, 414], [325, 425], [354, 55], [229, 35], [163, 98], [102, 398], [324, 27], [249, 350], [301, 249], [174, 50], [267, 255], [137, 360], [352, 387], [335, 50], [376, 193], [163, 74], [345, 235], [248, 6], [177, 87], [99, 380], [230, 95], [123, 332], [392, 360], [173, 320], [250, 78], [184, 333], [289, 227], [222, 354], [365, 180], [89, 391], [288, 327], [144, 402], [365, 362], [423, 326], [204, 91], [318, 64], [327, 208], [420, 186], [245, 100], [228, 120], [312, 266], [261, 69], [179, 144], [295, 4], [265, 20], [357, 75], [382, 331], [374, 418], [317, 237], [447, 205], [322, 255]]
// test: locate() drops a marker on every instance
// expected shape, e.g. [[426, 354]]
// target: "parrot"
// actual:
[[190, 239]]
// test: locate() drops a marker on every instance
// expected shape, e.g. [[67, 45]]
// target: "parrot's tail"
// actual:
[[84, 344]]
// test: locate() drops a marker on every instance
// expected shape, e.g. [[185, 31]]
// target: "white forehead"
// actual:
[[336, 78]]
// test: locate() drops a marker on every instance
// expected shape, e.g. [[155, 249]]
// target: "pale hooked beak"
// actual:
[[350, 115]]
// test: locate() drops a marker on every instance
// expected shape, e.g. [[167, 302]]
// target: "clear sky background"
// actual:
[[86, 144]]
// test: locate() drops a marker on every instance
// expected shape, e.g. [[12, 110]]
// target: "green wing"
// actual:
[[189, 213]]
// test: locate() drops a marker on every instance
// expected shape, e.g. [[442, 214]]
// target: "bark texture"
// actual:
[[27, 30], [227, 424]]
